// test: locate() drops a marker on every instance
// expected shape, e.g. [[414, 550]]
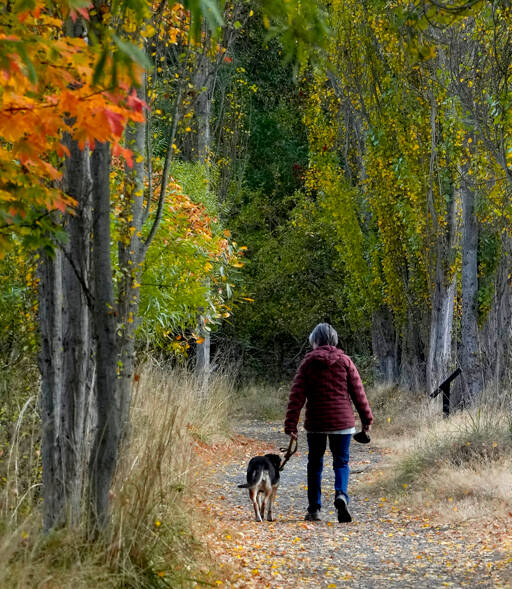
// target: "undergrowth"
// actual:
[[154, 539]]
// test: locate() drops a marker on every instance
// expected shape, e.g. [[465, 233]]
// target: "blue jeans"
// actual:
[[339, 445]]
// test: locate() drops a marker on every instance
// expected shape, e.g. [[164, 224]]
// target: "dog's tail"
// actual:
[[253, 478]]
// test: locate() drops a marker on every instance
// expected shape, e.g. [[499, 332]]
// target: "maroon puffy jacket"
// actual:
[[326, 381]]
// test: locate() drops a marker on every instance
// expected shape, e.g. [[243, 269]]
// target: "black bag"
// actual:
[[362, 437]]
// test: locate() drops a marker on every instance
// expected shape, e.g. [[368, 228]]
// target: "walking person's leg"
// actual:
[[316, 450], [340, 448]]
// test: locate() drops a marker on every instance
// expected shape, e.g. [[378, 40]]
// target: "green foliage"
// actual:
[[198, 181], [18, 304], [190, 267], [293, 276], [300, 26]]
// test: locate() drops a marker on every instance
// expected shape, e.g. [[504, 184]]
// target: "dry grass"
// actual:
[[151, 542], [458, 468], [262, 401], [20, 464]]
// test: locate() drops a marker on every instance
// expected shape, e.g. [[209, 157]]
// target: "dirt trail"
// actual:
[[384, 547]]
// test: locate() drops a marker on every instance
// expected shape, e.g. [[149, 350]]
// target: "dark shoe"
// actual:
[[313, 516], [341, 505]]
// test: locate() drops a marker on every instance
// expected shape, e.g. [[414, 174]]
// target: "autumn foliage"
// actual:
[[48, 96]]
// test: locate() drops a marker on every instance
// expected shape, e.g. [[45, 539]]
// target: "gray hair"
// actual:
[[323, 335]]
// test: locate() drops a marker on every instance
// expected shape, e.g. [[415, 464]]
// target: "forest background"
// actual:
[[197, 185]]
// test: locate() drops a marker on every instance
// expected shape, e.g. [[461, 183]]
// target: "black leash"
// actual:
[[289, 452]]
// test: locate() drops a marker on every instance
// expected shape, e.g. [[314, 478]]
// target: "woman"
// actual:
[[327, 380]]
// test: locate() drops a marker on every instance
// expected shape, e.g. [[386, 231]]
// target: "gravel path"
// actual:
[[384, 547]]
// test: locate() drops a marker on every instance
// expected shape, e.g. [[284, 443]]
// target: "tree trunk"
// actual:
[[385, 346], [77, 340], [202, 366], [440, 345], [106, 440], [203, 113], [50, 365], [130, 250], [496, 333], [472, 381], [413, 361], [66, 362], [443, 301], [203, 110]]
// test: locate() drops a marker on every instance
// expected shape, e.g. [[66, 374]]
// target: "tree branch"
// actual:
[[89, 297], [165, 173]]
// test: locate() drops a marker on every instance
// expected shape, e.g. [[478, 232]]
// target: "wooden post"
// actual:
[[444, 388]]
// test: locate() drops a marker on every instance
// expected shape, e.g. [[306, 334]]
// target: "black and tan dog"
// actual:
[[262, 482]]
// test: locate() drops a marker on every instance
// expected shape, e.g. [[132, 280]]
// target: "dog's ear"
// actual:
[[275, 459]]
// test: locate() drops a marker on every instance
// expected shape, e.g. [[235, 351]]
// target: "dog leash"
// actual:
[[289, 452]]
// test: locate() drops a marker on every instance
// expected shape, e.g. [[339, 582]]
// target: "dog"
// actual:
[[262, 483]]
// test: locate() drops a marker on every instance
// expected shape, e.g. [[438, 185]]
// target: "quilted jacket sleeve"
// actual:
[[296, 400], [357, 394]]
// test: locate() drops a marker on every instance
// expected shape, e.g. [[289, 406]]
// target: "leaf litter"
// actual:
[[386, 544]]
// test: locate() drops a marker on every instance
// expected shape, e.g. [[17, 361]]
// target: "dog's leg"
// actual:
[[266, 497], [270, 514], [253, 495]]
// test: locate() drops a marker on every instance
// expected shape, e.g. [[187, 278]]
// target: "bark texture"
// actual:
[[130, 250], [413, 356], [443, 301], [496, 332], [203, 82], [470, 361], [385, 346], [66, 361], [107, 433]]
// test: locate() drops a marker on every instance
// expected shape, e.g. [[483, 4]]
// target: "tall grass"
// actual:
[[20, 465], [151, 542]]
